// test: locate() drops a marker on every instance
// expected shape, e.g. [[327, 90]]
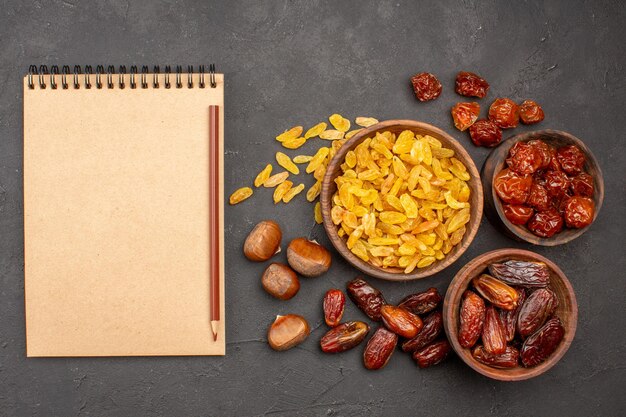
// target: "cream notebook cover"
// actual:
[[116, 214]]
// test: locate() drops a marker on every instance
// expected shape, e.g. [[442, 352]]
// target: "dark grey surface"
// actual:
[[290, 63]]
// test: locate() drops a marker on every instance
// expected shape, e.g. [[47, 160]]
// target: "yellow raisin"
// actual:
[[331, 134], [292, 133], [365, 121], [317, 211], [409, 205], [426, 261], [302, 159], [276, 179], [281, 190], [315, 130], [289, 195], [285, 162], [352, 133], [239, 195], [404, 143], [317, 160], [314, 191], [294, 143], [392, 217], [263, 176], [351, 159], [339, 122]]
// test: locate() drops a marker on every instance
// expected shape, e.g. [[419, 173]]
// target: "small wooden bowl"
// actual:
[[567, 311], [495, 163], [397, 126]]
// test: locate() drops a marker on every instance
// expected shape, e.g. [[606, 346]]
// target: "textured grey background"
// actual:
[[290, 63]]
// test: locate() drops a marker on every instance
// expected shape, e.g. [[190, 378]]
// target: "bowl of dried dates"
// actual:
[[401, 200], [543, 187], [510, 314]]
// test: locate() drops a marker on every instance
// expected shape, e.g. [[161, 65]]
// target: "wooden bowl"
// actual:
[[329, 187], [567, 311], [495, 162]]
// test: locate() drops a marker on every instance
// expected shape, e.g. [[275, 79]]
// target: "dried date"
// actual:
[[471, 319], [496, 292], [433, 324], [379, 348], [541, 344], [540, 305], [509, 317], [508, 359], [493, 336], [400, 321], [432, 354], [521, 273], [366, 297], [422, 302], [344, 337], [471, 85], [334, 304]]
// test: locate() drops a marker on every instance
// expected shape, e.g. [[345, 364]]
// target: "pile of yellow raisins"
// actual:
[[401, 202], [284, 190]]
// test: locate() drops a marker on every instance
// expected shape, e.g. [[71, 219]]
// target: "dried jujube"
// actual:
[[426, 86], [509, 317], [400, 321], [517, 213], [582, 185], [538, 197], [507, 359], [465, 114], [546, 223], [571, 159], [493, 334], [524, 158], [556, 183], [333, 305], [344, 337], [579, 212], [504, 113], [485, 133], [530, 112], [471, 85], [511, 187], [496, 292]]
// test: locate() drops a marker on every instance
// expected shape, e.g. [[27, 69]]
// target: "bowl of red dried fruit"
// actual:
[[543, 187], [510, 314]]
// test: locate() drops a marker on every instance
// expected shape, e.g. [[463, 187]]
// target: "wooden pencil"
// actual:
[[214, 221]]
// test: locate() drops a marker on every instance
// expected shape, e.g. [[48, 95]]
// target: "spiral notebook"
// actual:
[[116, 211]]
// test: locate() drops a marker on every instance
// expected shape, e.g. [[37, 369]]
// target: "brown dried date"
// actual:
[[579, 212], [546, 223], [432, 354], [425, 86], [400, 321], [517, 213], [366, 297], [379, 348], [540, 305], [530, 112], [433, 323], [472, 318], [504, 113], [508, 359], [421, 302], [509, 317], [344, 337], [334, 304], [471, 85], [521, 273], [540, 345], [493, 336], [485, 133], [496, 292]]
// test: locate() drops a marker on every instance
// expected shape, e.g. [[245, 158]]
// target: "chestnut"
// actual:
[[263, 242], [287, 331], [307, 257], [280, 281]]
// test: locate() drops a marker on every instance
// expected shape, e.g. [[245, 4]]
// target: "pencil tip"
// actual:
[[214, 330]]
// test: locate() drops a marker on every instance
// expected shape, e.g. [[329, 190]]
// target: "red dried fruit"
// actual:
[[582, 185], [426, 86], [538, 198], [579, 212], [493, 336], [334, 304], [556, 183], [504, 113], [508, 359], [471, 319], [539, 346], [471, 85], [540, 305], [521, 273], [524, 158], [366, 297], [530, 112], [433, 324], [496, 292], [422, 302], [546, 223], [344, 337], [465, 114], [485, 133], [518, 214], [400, 321], [571, 159], [379, 349], [508, 318], [511, 187], [432, 354], [544, 150]]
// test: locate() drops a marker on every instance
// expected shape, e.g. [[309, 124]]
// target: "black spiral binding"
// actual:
[[39, 75]]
